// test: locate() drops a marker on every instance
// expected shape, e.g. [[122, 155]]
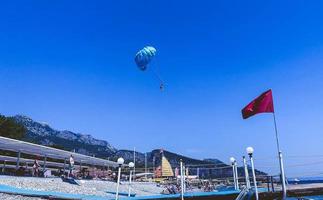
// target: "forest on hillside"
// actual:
[[10, 128]]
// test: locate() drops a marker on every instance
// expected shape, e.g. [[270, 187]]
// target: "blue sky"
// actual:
[[71, 64]]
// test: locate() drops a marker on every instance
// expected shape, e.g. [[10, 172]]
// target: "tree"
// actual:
[[10, 128]]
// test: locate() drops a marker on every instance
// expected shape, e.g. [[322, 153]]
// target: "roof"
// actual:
[[35, 149]]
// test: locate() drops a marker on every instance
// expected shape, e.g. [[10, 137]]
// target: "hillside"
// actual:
[[42, 133]]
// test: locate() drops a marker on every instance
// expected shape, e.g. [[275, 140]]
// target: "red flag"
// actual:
[[262, 104]]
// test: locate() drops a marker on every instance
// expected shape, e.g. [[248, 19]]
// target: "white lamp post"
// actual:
[[233, 160], [250, 152], [282, 174], [131, 166], [236, 171], [182, 180], [246, 172], [120, 162], [134, 162]]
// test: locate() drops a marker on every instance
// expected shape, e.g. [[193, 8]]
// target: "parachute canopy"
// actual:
[[144, 56]]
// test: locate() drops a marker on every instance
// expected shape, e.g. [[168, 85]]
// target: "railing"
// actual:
[[242, 193]]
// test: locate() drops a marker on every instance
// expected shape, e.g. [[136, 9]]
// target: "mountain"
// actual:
[[206, 168], [10, 128], [213, 160], [42, 133]]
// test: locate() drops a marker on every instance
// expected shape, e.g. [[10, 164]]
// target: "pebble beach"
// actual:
[[85, 187]]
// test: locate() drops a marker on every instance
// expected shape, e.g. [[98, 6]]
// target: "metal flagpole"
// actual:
[[280, 157]]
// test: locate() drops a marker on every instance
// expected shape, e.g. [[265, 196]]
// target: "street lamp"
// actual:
[[246, 172], [250, 152], [182, 180], [235, 172], [131, 166], [120, 162]]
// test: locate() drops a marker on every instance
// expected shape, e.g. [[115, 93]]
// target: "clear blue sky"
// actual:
[[71, 64]]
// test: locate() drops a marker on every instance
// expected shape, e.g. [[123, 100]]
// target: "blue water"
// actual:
[[315, 197], [307, 198], [305, 180]]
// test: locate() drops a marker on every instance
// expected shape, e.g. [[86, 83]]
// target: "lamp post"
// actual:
[[236, 171], [134, 162], [120, 162], [146, 166], [131, 166], [233, 160], [246, 172], [250, 152], [182, 180], [282, 174], [154, 160]]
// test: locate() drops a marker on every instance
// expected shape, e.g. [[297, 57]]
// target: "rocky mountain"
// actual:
[[207, 168], [42, 133]]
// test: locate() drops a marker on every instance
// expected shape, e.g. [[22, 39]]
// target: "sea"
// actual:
[[307, 198], [306, 180]]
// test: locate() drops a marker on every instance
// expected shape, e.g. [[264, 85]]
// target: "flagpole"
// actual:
[[280, 157], [264, 104], [277, 140]]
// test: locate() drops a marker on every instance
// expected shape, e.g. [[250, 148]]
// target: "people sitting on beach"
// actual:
[[36, 168], [173, 189], [208, 187]]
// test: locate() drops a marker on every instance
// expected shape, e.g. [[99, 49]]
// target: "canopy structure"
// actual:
[[167, 170], [49, 152]]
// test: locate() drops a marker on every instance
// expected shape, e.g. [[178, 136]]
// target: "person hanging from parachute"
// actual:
[[143, 58]]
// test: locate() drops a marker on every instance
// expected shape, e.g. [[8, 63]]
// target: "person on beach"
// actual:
[[36, 168], [71, 166]]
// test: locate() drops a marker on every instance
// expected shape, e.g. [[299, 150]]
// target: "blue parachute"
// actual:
[[144, 56]]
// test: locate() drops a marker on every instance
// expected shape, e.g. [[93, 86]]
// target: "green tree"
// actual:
[[10, 128]]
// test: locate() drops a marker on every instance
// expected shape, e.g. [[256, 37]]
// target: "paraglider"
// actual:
[[144, 57]]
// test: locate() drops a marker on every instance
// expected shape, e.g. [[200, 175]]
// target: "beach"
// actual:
[[16, 197], [85, 187]]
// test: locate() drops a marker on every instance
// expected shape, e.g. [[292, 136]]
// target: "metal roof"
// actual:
[[35, 149]]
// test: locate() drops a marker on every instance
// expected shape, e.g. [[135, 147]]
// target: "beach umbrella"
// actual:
[[143, 59]]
